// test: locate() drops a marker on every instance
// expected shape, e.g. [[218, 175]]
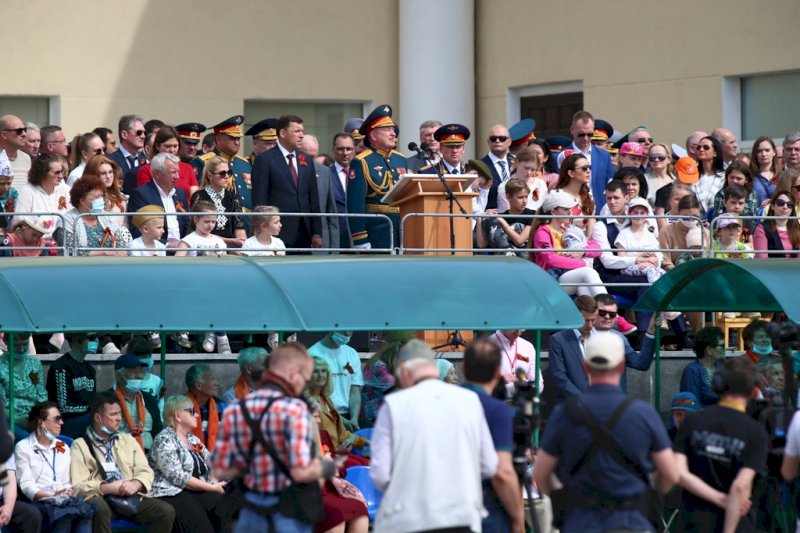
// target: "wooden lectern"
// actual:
[[425, 193]]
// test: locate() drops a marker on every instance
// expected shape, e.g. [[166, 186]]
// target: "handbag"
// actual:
[[301, 501], [125, 506]]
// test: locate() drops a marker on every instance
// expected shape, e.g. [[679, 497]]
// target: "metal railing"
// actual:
[[60, 247]]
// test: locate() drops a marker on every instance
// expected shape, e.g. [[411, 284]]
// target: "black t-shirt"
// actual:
[[514, 219], [662, 197], [718, 442]]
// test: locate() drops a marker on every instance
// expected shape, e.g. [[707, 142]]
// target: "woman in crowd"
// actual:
[[764, 168], [320, 389], [712, 172], [447, 371], [527, 169], [94, 230], [111, 175], [215, 188], [29, 231], [45, 191], [564, 265], [43, 463], [543, 159], [83, 148], [660, 173], [737, 173], [635, 182], [789, 180], [781, 233], [379, 377], [166, 140], [709, 348], [182, 468], [574, 177]]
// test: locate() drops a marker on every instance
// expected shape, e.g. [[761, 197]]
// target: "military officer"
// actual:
[[372, 173], [265, 136], [451, 139], [521, 133], [602, 132], [189, 135], [227, 138], [353, 128]]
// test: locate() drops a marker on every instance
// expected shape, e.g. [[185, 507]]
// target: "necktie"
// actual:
[[292, 170], [455, 170], [504, 172], [132, 161]]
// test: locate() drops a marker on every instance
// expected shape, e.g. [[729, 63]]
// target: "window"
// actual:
[[770, 105], [324, 120], [34, 109], [551, 105]]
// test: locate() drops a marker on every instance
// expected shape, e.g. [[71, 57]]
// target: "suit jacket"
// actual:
[[566, 374], [129, 173], [497, 179], [273, 185], [327, 204], [415, 163], [340, 197], [148, 194]]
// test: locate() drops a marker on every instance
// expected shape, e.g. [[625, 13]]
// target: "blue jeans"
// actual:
[[252, 521]]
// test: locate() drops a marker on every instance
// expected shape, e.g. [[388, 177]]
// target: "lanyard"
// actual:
[[510, 359], [53, 465]]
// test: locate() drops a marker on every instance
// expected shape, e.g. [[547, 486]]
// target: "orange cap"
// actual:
[[686, 168]]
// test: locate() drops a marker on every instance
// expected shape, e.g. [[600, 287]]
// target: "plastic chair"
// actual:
[[367, 434], [66, 440], [359, 476]]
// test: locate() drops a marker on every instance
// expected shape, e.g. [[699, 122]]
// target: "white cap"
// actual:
[[604, 351], [558, 199]]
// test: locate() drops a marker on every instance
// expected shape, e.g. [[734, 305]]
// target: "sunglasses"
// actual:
[[784, 203], [658, 158], [607, 314], [190, 410], [584, 134], [643, 140], [584, 168], [223, 173], [138, 133], [704, 147], [796, 187], [98, 151], [58, 418], [498, 138], [18, 131]]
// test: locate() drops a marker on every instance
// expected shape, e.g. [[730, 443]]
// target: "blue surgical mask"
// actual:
[[48, 435], [339, 339], [762, 350], [134, 385], [107, 431], [20, 356], [98, 205], [92, 346]]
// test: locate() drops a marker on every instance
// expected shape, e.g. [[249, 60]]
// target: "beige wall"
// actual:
[[660, 63], [182, 60]]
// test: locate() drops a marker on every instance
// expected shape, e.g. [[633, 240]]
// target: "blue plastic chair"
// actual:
[[359, 476], [66, 440], [367, 434]]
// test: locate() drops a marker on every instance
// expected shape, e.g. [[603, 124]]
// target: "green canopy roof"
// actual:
[[239, 294], [727, 285]]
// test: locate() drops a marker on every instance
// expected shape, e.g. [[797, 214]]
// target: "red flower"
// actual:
[[198, 448], [60, 446], [34, 377], [302, 160], [522, 358], [536, 195], [10, 205], [179, 207], [349, 368]]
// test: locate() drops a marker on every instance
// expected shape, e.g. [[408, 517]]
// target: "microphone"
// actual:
[[414, 148], [426, 148], [521, 375]]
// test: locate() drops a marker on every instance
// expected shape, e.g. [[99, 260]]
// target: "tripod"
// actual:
[[454, 340]]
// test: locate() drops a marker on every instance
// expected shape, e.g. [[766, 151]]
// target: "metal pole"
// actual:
[[536, 381], [11, 415], [163, 361], [657, 399]]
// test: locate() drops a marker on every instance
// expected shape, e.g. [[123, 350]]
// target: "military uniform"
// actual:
[[372, 173], [265, 130], [453, 136], [441, 169]]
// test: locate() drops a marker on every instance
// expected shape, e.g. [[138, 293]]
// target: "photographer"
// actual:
[[501, 493], [720, 449], [603, 448]]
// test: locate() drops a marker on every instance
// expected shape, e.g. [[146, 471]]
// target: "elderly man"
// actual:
[[106, 462], [641, 136], [13, 134], [53, 141], [691, 143], [728, 141], [587, 445], [327, 200], [141, 417], [429, 156], [161, 191], [791, 151], [203, 388], [33, 140], [437, 490], [344, 150], [373, 172], [252, 361]]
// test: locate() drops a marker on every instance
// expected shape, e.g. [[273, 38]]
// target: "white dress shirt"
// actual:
[[342, 174], [498, 167], [42, 468], [173, 228]]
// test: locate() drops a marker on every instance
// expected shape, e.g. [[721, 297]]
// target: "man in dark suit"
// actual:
[[161, 191], [130, 155], [285, 178], [427, 137], [499, 141], [327, 202], [582, 131], [344, 150]]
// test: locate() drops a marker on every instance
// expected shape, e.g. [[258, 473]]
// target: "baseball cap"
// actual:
[[558, 199], [414, 349], [604, 351], [631, 148], [727, 219], [638, 202], [684, 401], [686, 168], [128, 360]]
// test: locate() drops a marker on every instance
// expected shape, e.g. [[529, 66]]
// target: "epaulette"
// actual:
[[401, 154], [364, 154], [237, 156], [426, 167], [206, 156]]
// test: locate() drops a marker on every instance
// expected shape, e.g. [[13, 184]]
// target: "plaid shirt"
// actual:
[[287, 426]]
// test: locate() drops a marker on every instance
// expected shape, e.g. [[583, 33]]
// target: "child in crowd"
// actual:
[[29, 231], [734, 201], [8, 194], [150, 223], [507, 230], [201, 238], [728, 244], [637, 235], [265, 241]]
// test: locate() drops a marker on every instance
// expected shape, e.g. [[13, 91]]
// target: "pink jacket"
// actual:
[[542, 238]]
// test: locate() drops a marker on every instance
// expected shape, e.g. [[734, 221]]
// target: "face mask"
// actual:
[[133, 386], [48, 435], [98, 205], [107, 431], [762, 350], [689, 222], [92, 346], [339, 339], [20, 356]]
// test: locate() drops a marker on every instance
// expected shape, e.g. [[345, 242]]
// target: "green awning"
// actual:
[[762, 285], [238, 294]]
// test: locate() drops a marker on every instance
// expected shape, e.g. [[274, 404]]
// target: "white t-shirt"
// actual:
[[254, 248], [20, 168], [138, 248], [214, 245], [647, 241], [345, 365], [76, 174], [535, 197]]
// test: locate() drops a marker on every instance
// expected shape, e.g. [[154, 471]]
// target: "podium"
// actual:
[[425, 193]]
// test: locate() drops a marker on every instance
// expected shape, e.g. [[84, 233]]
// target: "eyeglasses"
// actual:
[[780, 202], [607, 314], [584, 168], [791, 149], [658, 158], [138, 133], [18, 131], [703, 147], [58, 418], [585, 134], [190, 410], [643, 140], [98, 151], [498, 138], [223, 173], [796, 187]]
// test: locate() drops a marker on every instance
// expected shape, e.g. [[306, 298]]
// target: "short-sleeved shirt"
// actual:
[[568, 441], [719, 441], [212, 243], [345, 365]]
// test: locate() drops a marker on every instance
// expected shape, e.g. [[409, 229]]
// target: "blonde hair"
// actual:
[[319, 362], [175, 404], [211, 166], [261, 221]]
